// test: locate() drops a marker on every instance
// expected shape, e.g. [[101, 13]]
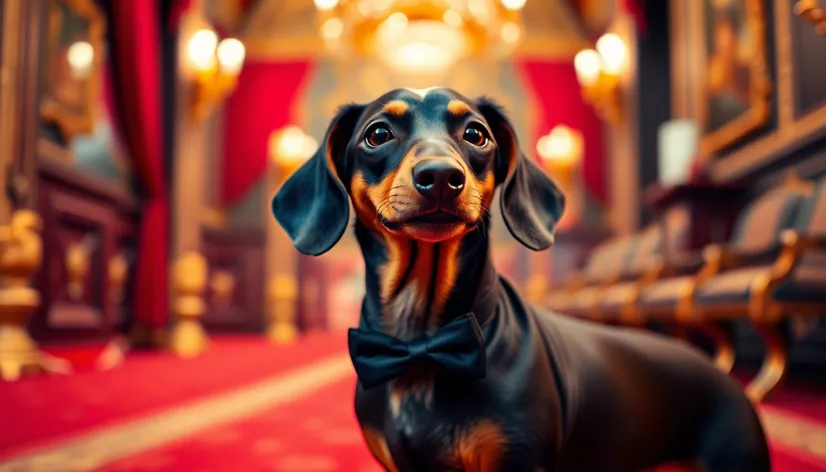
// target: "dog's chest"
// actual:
[[437, 427]]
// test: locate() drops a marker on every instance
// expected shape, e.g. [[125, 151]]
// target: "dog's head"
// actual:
[[422, 165]]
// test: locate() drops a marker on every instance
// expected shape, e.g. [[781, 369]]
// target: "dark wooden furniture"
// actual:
[[89, 246], [571, 249], [712, 208], [235, 293]]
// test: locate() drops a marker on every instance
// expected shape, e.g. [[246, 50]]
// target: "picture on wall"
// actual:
[[737, 85]]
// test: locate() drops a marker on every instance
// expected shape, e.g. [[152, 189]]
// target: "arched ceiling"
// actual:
[[284, 29]]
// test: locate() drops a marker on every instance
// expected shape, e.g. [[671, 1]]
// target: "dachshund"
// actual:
[[456, 372]]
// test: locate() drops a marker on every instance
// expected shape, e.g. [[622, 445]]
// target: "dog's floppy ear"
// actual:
[[312, 206], [531, 202]]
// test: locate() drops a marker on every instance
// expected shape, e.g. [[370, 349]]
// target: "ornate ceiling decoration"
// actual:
[[420, 36], [290, 29]]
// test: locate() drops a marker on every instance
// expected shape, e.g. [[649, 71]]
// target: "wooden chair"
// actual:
[[604, 263], [617, 303], [757, 236], [615, 263], [766, 287]]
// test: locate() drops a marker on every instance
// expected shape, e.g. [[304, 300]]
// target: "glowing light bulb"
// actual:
[[81, 56], [332, 28], [612, 50], [513, 4], [452, 18], [290, 144], [326, 4], [201, 49], [510, 32], [561, 145], [588, 65], [231, 54], [396, 22]]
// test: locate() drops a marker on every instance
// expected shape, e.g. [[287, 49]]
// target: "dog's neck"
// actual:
[[414, 287]]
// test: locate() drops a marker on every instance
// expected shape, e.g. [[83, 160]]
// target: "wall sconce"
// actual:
[[561, 152], [599, 71], [811, 11], [289, 148], [81, 57], [216, 66]]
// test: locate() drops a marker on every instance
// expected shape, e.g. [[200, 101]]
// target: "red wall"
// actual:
[[261, 104], [556, 89]]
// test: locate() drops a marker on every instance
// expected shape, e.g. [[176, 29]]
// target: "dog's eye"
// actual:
[[475, 136], [377, 136]]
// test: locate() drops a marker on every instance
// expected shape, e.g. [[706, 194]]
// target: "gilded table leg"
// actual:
[[774, 364]]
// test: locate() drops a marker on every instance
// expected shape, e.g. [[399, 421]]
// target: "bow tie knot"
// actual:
[[458, 347], [417, 350]]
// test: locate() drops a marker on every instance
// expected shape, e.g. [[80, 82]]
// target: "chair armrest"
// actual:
[[801, 242], [726, 257], [683, 263], [794, 245]]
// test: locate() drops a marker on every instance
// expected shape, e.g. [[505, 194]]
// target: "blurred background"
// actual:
[[153, 316]]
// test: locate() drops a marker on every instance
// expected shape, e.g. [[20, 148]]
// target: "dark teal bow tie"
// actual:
[[458, 347]]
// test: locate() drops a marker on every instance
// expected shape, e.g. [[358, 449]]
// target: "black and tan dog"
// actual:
[[456, 371]]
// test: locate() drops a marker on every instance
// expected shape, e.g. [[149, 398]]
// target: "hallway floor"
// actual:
[[249, 406]]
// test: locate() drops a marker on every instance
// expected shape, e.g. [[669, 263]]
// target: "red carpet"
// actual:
[[318, 433], [315, 432], [44, 408]]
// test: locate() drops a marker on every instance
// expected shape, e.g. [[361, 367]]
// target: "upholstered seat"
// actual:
[[807, 283], [756, 237], [617, 302], [661, 298], [607, 268], [733, 286], [604, 262], [772, 269]]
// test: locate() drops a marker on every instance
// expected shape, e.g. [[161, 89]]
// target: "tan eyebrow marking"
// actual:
[[458, 107], [396, 107]]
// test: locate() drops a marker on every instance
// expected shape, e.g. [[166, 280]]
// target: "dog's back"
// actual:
[[640, 399]]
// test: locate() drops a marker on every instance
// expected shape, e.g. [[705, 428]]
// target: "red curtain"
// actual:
[[636, 8], [556, 89], [136, 66], [176, 11], [261, 104]]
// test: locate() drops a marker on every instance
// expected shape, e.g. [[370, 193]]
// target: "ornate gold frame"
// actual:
[[761, 86], [70, 122]]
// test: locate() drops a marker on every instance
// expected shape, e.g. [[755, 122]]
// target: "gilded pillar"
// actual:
[[289, 148], [189, 283], [21, 253]]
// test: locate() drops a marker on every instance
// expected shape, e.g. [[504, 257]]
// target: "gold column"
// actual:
[[289, 148], [282, 295], [20, 256], [189, 281]]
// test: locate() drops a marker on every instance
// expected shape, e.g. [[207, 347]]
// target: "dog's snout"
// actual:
[[439, 178]]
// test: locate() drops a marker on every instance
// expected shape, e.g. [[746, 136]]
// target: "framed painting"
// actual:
[[72, 66], [736, 87]]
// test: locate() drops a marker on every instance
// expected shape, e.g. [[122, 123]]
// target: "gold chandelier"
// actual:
[[420, 36]]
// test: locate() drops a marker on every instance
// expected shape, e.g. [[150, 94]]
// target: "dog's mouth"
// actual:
[[432, 220]]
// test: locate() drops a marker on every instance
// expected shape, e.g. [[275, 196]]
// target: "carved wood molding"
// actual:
[[811, 11], [70, 120], [760, 88]]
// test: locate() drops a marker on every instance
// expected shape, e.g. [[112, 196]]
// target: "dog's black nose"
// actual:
[[439, 178]]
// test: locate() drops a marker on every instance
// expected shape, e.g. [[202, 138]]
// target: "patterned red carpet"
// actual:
[[45, 408], [249, 406]]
